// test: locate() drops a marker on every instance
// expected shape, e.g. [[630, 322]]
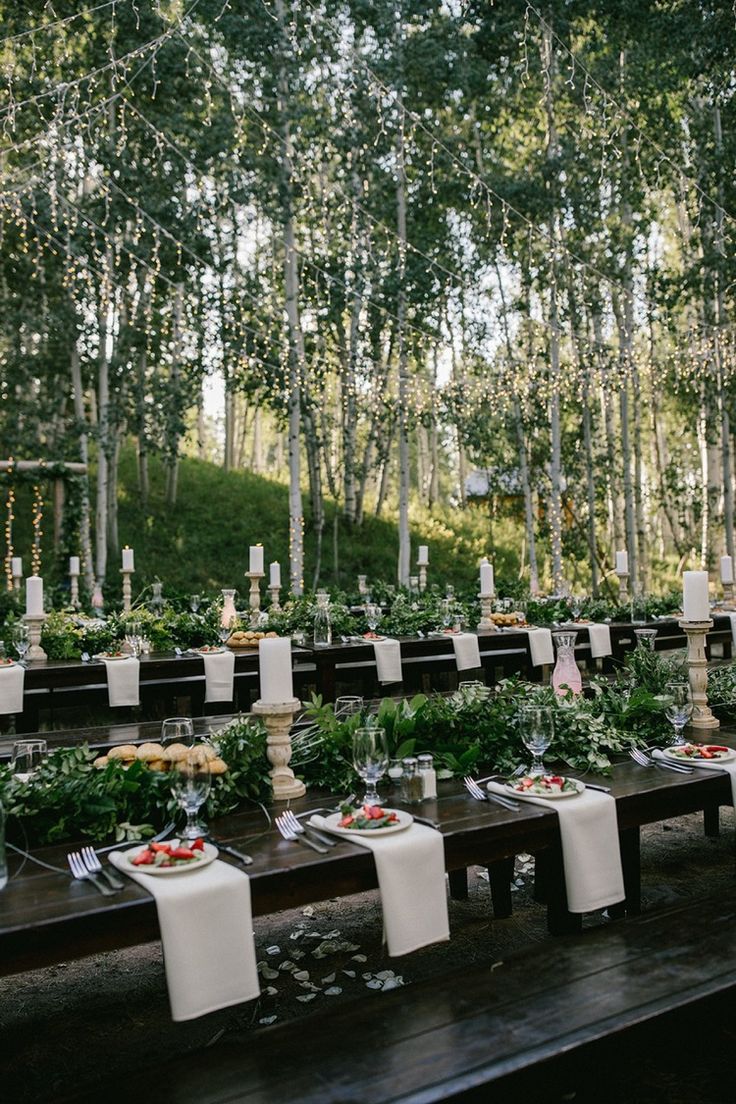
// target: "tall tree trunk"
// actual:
[[404, 567], [85, 537], [314, 471], [172, 435], [719, 318], [103, 443]]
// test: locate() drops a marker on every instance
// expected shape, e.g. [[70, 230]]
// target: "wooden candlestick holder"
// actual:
[[697, 668], [486, 623], [728, 596], [35, 628], [623, 587], [254, 598], [127, 590], [274, 592], [278, 717], [422, 577], [17, 580], [74, 581]]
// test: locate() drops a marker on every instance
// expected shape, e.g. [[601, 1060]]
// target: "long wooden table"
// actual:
[[46, 918]]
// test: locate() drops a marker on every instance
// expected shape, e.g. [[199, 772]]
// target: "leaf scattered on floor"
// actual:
[[301, 975], [328, 980], [273, 950], [308, 911], [333, 991], [360, 958], [268, 1020], [307, 997], [349, 973]]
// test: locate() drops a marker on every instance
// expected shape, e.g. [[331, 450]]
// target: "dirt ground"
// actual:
[[70, 1027]]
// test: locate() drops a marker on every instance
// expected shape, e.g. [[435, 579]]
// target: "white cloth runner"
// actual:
[[388, 660], [591, 853], [600, 641], [11, 688], [540, 647], [219, 675], [411, 877], [704, 764], [207, 936], [467, 652], [123, 681]]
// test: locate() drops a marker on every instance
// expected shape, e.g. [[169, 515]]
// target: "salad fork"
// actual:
[[80, 872], [482, 795], [296, 826], [94, 866], [647, 761], [294, 837]]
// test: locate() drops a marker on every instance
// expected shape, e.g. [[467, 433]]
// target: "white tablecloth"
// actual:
[[207, 936], [600, 641], [540, 647], [467, 652]]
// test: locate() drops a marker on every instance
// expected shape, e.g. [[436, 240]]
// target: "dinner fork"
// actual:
[[79, 871], [94, 866], [296, 826], [483, 795], [646, 761], [294, 837]]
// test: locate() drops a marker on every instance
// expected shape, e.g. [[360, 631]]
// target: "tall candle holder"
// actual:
[[35, 621], [486, 623], [74, 582], [17, 580], [623, 587], [127, 589], [274, 592], [728, 595], [422, 577], [697, 670], [254, 599], [278, 717]]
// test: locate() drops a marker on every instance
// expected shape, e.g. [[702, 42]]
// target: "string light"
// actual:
[[9, 519], [37, 519]]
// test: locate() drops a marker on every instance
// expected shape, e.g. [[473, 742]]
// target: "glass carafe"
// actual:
[[566, 674], [322, 623], [229, 613]]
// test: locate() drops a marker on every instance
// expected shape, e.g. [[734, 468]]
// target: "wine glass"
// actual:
[[537, 730], [370, 759], [21, 640], [447, 609], [348, 706], [373, 615], [576, 606], [177, 730], [27, 756], [190, 786], [679, 708], [195, 602], [133, 637], [225, 631]]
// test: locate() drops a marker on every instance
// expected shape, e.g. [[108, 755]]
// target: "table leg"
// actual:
[[326, 679], [631, 863], [560, 921], [711, 821], [459, 884], [500, 877]]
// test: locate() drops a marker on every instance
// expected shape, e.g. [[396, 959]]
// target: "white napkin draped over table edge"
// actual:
[[705, 764], [540, 647], [732, 619], [467, 652], [123, 681], [600, 641], [410, 866], [206, 925], [388, 660], [591, 852], [219, 675], [12, 680]]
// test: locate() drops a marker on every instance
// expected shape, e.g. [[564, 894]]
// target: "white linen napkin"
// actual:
[[411, 878], [600, 641], [591, 853], [11, 688], [388, 660], [732, 619], [467, 652], [123, 681], [219, 675], [704, 764], [540, 647], [207, 936]]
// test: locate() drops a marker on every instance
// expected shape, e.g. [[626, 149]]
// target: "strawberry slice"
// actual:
[[198, 845], [143, 858], [181, 853]]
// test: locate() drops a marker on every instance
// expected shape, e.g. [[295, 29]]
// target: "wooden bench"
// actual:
[[451, 1038]]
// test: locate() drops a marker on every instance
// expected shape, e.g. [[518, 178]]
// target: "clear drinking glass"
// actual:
[[226, 628], [190, 786], [645, 638], [27, 756], [370, 759], [133, 637], [195, 602], [536, 725], [373, 615], [348, 706], [576, 606], [177, 730], [21, 640], [679, 708]]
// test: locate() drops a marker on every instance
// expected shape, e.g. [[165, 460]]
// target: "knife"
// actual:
[[246, 860]]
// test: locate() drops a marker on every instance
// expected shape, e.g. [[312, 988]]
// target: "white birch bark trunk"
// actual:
[[85, 538], [404, 567]]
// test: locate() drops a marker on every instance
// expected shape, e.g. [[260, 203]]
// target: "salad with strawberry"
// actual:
[[6, 661], [372, 636], [700, 751], [169, 854], [544, 785], [368, 817]]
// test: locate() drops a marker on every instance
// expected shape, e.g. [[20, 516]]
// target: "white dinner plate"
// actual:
[[209, 855], [210, 651], [669, 753], [547, 796], [103, 657], [405, 821]]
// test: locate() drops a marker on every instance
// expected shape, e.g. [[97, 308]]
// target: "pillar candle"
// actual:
[[622, 563], [128, 560], [16, 567], [726, 569], [695, 604], [34, 596], [486, 577], [74, 565], [274, 658], [256, 559], [274, 575], [423, 555]]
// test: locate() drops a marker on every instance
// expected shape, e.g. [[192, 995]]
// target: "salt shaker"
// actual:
[[428, 775]]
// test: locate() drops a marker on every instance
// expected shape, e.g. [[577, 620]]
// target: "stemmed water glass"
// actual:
[[21, 640], [537, 731], [679, 708], [370, 759], [373, 615], [225, 631], [177, 730], [347, 706], [576, 606], [190, 786], [194, 603], [27, 756]]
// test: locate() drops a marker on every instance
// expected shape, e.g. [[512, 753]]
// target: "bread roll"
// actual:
[[101, 762], [126, 752], [149, 752]]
